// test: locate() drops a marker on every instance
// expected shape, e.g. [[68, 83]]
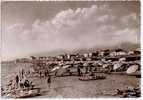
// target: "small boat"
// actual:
[[88, 78]]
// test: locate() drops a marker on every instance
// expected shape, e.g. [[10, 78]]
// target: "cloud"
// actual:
[[70, 29]]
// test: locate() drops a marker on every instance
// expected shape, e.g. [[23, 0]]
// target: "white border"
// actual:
[[141, 40]]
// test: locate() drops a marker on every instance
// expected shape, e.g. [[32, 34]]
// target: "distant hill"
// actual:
[[51, 53], [126, 46]]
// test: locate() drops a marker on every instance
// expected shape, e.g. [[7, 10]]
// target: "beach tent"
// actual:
[[132, 69]]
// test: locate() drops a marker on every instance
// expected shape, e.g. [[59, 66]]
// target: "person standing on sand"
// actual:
[[21, 84], [45, 73], [40, 74], [17, 80], [49, 81], [68, 71], [86, 69], [79, 71], [22, 72]]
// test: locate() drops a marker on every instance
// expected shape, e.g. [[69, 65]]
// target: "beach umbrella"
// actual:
[[105, 65], [116, 66], [61, 71], [66, 66], [132, 69], [55, 68], [100, 63], [122, 59]]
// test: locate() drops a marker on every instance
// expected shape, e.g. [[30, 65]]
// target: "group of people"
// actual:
[[88, 69], [22, 83], [21, 80], [46, 75]]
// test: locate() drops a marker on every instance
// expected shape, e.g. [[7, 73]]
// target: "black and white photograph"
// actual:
[[70, 49]]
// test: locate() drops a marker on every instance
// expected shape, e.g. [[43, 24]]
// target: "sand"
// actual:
[[72, 87]]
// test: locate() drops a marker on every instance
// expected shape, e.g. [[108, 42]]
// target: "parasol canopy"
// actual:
[[116, 66], [105, 65], [55, 68], [66, 66], [132, 69]]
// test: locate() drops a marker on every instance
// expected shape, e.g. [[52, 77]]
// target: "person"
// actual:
[[26, 84], [45, 73], [119, 92], [86, 69], [40, 74], [22, 72], [90, 67], [95, 69], [21, 84], [68, 71], [56, 73], [78, 70], [17, 80], [49, 81]]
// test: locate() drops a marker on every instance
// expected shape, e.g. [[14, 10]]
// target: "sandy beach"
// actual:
[[72, 87]]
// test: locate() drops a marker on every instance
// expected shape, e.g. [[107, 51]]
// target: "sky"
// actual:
[[33, 27]]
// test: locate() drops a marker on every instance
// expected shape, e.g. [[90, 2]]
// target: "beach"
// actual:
[[71, 86]]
